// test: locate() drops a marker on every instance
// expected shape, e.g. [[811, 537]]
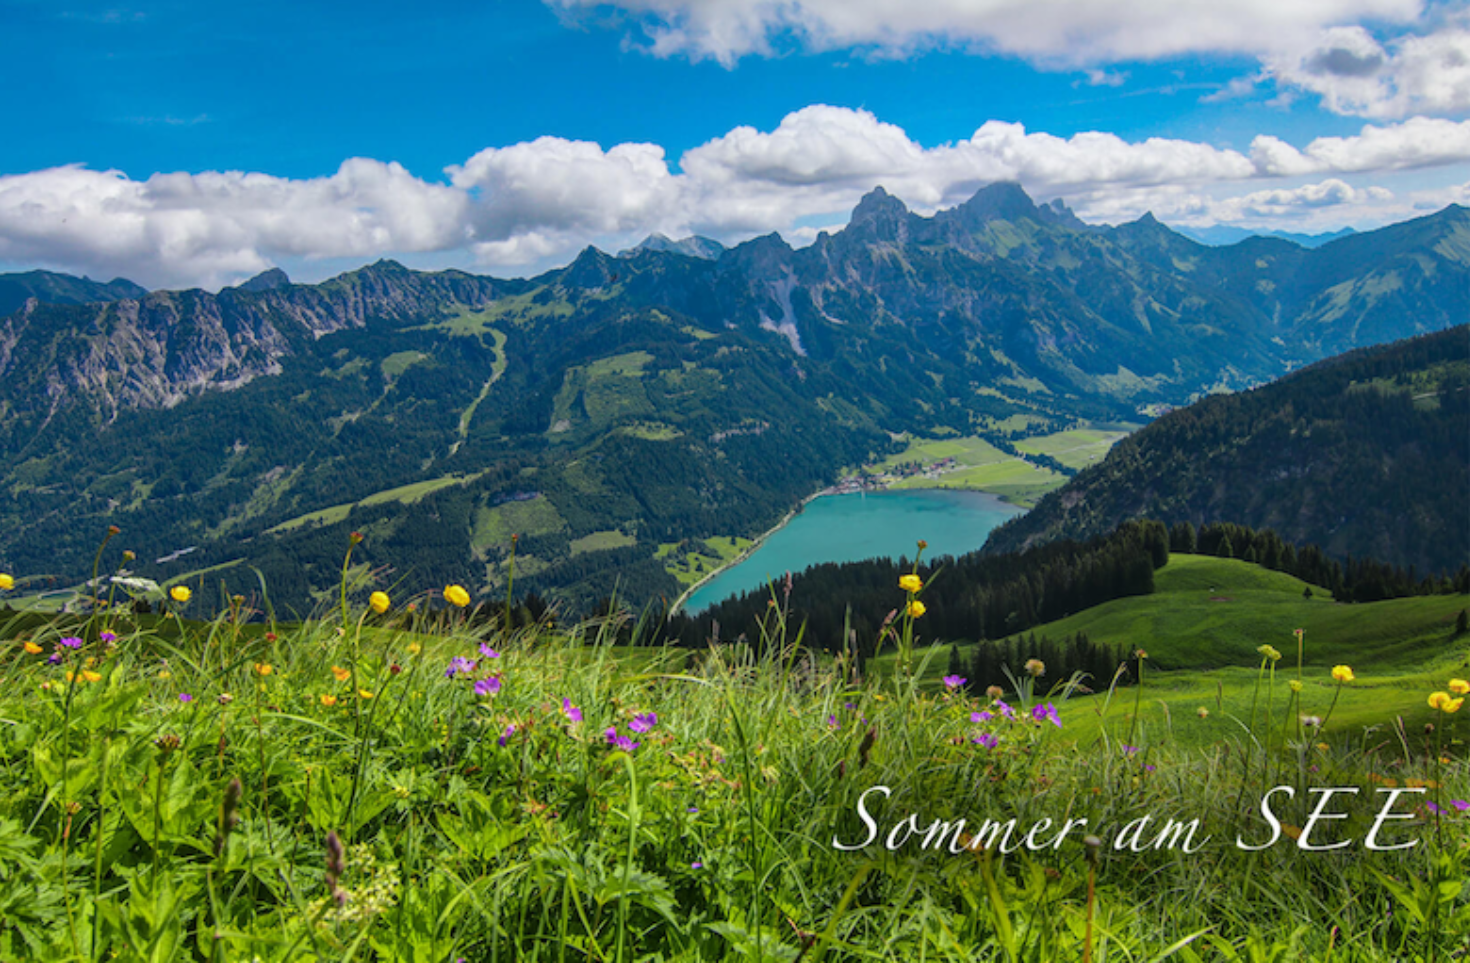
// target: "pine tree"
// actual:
[[1225, 550], [1462, 622]]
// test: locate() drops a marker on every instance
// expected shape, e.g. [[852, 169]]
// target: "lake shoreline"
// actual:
[[684, 597], [747, 550]]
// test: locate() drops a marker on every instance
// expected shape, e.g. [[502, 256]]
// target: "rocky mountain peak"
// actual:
[[265, 281], [878, 205], [704, 248], [1001, 201]]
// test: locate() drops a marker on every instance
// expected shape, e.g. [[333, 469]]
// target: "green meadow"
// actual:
[[1202, 629], [406, 779]]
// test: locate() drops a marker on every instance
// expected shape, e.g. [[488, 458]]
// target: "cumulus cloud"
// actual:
[[1417, 142], [1355, 74], [206, 228], [532, 204], [1057, 31]]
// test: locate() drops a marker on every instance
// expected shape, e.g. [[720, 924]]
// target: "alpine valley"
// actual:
[[614, 413]]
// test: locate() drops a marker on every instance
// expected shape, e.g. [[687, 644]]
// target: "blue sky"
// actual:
[[185, 144]]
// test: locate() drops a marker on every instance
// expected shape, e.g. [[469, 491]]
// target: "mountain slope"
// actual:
[[1364, 454], [51, 288]]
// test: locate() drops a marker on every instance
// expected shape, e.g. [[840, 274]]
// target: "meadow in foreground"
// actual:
[[376, 785]]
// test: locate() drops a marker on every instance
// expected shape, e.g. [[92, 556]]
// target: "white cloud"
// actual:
[[1355, 74], [1417, 142], [210, 227], [530, 205], [1288, 201], [1054, 31], [551, 183], [1106, 78]]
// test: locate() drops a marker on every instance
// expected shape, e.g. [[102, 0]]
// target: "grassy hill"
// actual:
[[1202, 627]]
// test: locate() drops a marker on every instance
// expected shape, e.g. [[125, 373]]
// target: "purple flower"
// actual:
[[54, 658], [1129, 750], [619, 742], [1434, 809], [572, 713], [642, 723], [987, 740], [488, 652], [1460, 804], [832, 721], [849, 705], [488, 687], [70, 642], [1005, 710], [185, 697], [108, 637], [696, 865], [693, 809], [1149, 767], [1047, 712], [510, 730], [981, 716], [457, 665], [953, 681]]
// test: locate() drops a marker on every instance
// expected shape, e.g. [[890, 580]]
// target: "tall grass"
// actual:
[[333, 791]]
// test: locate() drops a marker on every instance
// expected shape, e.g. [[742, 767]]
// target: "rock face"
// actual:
[[155, 351]]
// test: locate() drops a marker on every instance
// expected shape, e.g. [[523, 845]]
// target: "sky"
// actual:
[[195, 145]]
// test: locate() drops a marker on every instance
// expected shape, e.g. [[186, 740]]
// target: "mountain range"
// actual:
[[613, 412]]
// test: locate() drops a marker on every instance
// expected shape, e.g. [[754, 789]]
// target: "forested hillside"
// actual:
[[1367, 454]]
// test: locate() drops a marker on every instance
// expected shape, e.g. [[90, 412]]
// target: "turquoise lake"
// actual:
[[846, 528]]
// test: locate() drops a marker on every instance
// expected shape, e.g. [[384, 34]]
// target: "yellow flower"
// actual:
[[180, 594], [1202, 712], [329, 700], [916, 608], [341, 674], [414, 648], [91, 675], [910, 583], [264, 668], [1296, 685], [165, 674], [1438, 699], [379, 602], [1459, 686], [1270, 652], [364, 694], [1342, 673], [1453, 705], [34, 649], [456, 595], [6, 582]]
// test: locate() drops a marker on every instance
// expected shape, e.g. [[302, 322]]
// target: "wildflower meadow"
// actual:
[[399, 780]]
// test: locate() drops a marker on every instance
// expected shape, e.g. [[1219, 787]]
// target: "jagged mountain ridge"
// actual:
[[746, 380]]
